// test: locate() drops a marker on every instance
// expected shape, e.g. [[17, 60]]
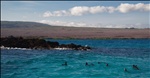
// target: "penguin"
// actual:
[[135, 67], [65, 64], [86, 64], [107, 64], [99, 62], [125, 70]]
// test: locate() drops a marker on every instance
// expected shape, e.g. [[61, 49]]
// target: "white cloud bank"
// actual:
[[81, 24], [124, 8], [81, 10], [61, 23]]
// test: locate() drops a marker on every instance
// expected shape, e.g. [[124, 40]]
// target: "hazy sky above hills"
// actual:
[[109, 14]]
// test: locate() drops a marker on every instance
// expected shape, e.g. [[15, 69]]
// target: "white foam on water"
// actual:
[[62, 48], [14, 48]]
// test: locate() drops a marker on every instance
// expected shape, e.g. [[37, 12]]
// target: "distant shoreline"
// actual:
[[37, 30], [28, 37], [76, 33]]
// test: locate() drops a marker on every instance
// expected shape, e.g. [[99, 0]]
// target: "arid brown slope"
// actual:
[[76, 32]]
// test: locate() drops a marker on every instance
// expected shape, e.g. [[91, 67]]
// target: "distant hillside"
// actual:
[[20, 24]]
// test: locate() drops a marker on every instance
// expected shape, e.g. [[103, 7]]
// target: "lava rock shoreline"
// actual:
[[36, 43]]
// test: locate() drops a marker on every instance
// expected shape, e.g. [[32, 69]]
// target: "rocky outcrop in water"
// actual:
[[20, 42]]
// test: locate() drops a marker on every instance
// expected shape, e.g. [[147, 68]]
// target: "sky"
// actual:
[[102, 14]]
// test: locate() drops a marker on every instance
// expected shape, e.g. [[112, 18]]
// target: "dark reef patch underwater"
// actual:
[[119, 54]]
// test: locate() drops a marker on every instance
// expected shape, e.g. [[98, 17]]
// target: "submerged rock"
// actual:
[[20, 42]]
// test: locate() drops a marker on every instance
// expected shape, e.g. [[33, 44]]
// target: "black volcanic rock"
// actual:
[[20, 42]]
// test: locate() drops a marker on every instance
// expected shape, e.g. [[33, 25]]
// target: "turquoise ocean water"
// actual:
[[117, 53]]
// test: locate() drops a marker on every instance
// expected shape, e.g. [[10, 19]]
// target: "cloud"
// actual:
[[124, 8], [81, 24], [56, 13], [97, 9], [81, 10], [111, 9], [62, 23], [47, 14]]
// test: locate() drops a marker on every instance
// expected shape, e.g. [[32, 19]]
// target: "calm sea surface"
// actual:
[[117, 53]]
